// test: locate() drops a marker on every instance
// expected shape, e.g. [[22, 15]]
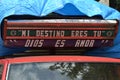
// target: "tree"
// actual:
[[88, 71]]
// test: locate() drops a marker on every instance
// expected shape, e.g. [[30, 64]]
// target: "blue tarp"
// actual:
[[65, 7]]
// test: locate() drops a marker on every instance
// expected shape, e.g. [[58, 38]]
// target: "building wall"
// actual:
[[105, 2]]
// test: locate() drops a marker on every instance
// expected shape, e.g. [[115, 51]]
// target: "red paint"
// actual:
[[62, 58], [7, 61]]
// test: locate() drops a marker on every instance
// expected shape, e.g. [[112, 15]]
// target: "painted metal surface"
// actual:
[[59, 33], [62, 58], [59, 43]]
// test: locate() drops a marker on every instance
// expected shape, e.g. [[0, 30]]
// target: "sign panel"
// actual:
[[58, 43], [59, 33], [43, 33]]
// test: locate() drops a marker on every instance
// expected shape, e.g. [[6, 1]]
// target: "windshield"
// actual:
[[64, 71]]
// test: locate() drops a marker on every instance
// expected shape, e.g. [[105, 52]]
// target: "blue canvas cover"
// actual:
[[65, 7]]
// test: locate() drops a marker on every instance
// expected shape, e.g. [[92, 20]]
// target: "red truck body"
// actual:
[[48, 59]]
